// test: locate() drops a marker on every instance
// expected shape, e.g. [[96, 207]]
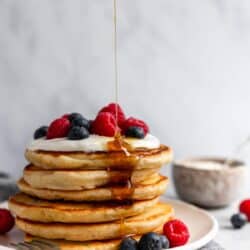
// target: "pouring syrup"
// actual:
[[125, 190]]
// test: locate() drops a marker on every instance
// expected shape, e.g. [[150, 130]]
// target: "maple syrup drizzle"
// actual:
[[115, 59], [124, 190]]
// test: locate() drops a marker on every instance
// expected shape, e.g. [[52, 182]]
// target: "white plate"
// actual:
[[203, 227]]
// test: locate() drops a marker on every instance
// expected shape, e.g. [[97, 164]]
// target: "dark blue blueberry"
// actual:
[[73, 116], [78, 133], [164, 242], [40, 132], [238, 220], [135, 131], [77, 119], [150, 241], [128, 243]]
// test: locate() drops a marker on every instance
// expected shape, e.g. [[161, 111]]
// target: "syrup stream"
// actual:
[[115, 59], [118, 141], [125, 192]]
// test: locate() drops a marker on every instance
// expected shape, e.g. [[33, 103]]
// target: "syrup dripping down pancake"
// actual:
[[34, 209], [139, 224], [77, 179], [144, 191], [138, 159]]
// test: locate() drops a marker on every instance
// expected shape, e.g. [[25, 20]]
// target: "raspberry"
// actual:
[[245, 208], [58, 128], [177, 233], [133, 122], [111, 108], [7, 221], [66, 116], [104, 124]]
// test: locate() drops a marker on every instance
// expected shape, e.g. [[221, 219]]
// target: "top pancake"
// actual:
[[138, 159]]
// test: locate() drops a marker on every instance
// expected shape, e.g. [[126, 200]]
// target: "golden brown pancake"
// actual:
[[139, 224], [147, 190], [138, 159], [77, 179], [77, 245], [34, 209]]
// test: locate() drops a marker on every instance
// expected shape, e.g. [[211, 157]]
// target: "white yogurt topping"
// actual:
[[91, 144]]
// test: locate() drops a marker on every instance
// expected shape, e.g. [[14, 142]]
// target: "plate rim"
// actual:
[[190, 246], [205, 239]]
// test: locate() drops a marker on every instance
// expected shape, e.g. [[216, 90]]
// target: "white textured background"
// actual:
[[184, 68]]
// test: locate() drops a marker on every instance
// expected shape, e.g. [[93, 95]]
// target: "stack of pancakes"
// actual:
[[81, 200]]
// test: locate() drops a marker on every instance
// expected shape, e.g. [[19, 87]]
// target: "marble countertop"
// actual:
[[227, 237]]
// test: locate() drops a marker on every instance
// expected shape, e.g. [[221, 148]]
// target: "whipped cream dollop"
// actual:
[[91, 144]]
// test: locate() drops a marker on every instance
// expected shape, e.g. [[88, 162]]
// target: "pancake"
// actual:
[[34, 209], [76, 245], [138, 159], [77, 179], [149, 189], [139, 224]]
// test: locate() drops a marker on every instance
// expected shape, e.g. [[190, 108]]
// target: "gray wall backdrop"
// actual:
[[184, 68]]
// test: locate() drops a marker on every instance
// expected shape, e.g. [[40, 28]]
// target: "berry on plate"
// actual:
[[78, 133], [58, 128], [238, 220], [164, 242], [113, 108], [133, 122], [136, 132], [150, 241], [176, 232], [41, 132], [128, 243], [7, 221], [245, 208], [104, 124]]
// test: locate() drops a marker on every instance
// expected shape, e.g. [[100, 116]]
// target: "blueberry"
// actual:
[[164, 242], [135, 131], [77, 133], [81, 122], [77, 119], [238, 220], [128, 243], [73, 116], [40, 132], [150, 241]]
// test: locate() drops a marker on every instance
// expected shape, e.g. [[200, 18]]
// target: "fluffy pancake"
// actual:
[[33, 209], [139, 159], [139, 224], [76, 245], [77, 179], [149, 189]]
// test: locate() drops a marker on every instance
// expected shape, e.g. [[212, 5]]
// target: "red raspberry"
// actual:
[[7, 221], [111, 108], [58, 128], [104, 124], [66, 116], [176, 232], [245, 208], [131, 121]]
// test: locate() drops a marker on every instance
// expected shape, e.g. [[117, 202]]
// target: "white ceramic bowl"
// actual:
[[208, 183]]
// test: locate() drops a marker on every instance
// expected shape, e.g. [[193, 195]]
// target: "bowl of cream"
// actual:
[[209, 181]]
